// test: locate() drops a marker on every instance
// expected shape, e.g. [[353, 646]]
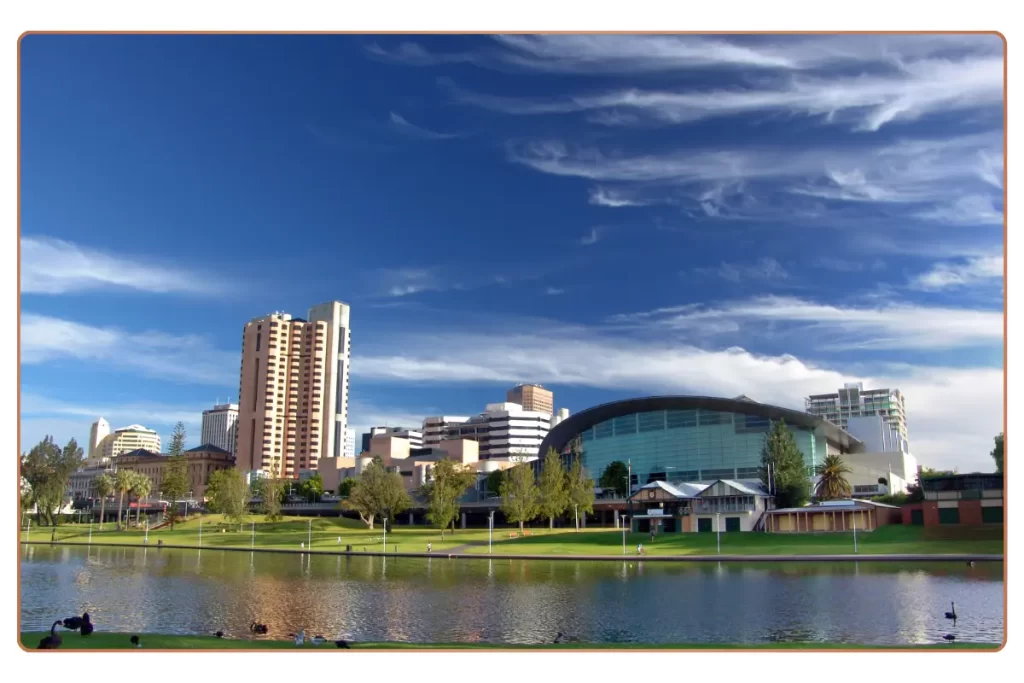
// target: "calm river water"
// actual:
[[502, 601]]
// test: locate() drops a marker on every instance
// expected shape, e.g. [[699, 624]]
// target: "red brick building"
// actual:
[[968, 499]]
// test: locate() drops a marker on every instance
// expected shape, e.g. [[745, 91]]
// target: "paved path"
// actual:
[[449, 554]]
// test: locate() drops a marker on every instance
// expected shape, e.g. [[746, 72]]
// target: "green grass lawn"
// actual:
[[116, 641], [293, 532]]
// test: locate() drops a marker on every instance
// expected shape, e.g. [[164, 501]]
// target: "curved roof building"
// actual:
[[691, 438]]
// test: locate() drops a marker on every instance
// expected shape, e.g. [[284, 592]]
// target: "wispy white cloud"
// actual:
[[592, 238], [947, 275], [186, 359], [411, 130], [146, 413], [575, 356], [54, 266], [889, 326], [864, 102], [764, 269], [405, 281], [602, 196], [848, 265], [928, 177], [554, 291]]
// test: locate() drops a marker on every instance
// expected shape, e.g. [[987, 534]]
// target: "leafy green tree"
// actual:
[[789, 481], [997, 453], [832, 482], [104, 488], [47, 469], [123, 481], [141, 487], [448, 481], [228, 494], [313, 488], [579, 486], [345, 487], [175, 485], [520, 497], [272, 489], [493, 482], [615, 478], [929, 473], [554, 498], [377, 493]]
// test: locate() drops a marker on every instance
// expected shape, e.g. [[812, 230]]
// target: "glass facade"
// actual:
[[688, 445]]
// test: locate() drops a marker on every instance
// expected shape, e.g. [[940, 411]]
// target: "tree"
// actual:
[[579, 486], [123, 481], [780, 456], [997, 453], [520, 497], [345, 487], [312, 488], [104, 487], [178, 439], [832, 483], [493, 482], [273, 493], [141, 486], [47, 469], [614, 477], [229, 494], [377, 493], [448, 481], [175, 485], [553, 496]]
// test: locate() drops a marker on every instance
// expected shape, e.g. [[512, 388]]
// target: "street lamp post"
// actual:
[[576, 507], [90, 530], [200, 533], [623, 534], [309, 535], [854, 530], [718, 523], [144, 540], [385, 535], [252, 543], [490, 530]]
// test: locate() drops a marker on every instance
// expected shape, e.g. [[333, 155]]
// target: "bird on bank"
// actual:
[[951, 615], [87, 627], [568, 639], [135, 641], [949, 637], [258, 628], [52, 641], [219, 634], [75, 623], [318, 640], [343, 644]]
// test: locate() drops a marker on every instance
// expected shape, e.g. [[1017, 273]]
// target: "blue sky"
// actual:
[[611, 216]]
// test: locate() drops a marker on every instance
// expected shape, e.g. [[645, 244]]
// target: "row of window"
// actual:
[[660, 420]]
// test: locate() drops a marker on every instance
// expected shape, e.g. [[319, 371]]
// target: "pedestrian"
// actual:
[[639, 548], [429, 546], [652, 535]]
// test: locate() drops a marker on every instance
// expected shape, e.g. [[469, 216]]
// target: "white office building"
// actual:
[[504, 430], [220, 426], [435, 428], [350, 444], [413, 436], [854, 401], [97, 433]]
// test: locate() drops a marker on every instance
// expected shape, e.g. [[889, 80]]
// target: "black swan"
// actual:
[[949, 636], [568, 639], [52, 641], [75, 623], [342, 644], [135, 641], [87, 627], [258, 628], [951, 615], [219, 634]]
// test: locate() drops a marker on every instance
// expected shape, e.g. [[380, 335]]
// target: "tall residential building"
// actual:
[[130, 438], [853, 401], [99, 431], [220, 425], [562, 414], [532, 397], [413, 436], [503, 430], [435, 428], [293, 390], [350, 444]]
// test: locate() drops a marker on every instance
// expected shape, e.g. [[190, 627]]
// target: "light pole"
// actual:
[[576, 507], [623, 534], [718, 523], [90, 530], [385, 535], [309, 535], [200, 533], [252, 543], [145, 540], [490, 530]]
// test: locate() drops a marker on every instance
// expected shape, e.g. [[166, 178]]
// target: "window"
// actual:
[[259, 335], [676, 419], [625, 424], [651, 422], [603, 430], [713, 417], [993, 515], [949, 515], [732, 523]]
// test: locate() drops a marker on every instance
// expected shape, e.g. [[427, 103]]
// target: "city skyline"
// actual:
[[760, 215]]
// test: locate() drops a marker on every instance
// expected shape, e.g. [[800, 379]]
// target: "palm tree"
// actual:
[[141, 488], [832, 482], [123, 481], [104, 487]]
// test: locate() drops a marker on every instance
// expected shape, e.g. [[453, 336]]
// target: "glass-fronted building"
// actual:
[[691, 438]]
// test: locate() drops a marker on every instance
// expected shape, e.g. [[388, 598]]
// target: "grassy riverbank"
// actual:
[[333, 534], [118, 641]]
